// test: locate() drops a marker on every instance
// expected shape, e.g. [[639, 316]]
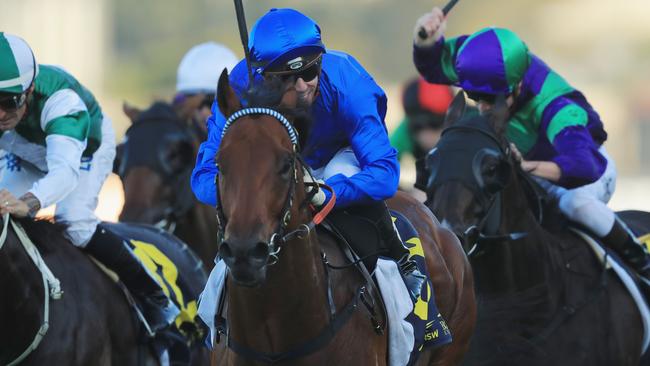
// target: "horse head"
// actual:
[[260, 190], [155, 163], [468, 171]]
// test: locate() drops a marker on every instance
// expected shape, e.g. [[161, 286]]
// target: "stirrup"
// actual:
[[157, 315], [413, 278]]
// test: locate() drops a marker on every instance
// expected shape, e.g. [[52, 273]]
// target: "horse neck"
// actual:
[[196, 228], [511, 267], [289, 307], [21, 301]]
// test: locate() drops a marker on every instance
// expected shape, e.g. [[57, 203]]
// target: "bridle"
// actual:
[[486, 230], [279, 237], [337, 319]]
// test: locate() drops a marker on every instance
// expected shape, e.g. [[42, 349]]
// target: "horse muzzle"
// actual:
[[247, 260]]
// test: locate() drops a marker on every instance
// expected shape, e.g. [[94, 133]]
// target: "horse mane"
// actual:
[[269, 95], [44, 232]]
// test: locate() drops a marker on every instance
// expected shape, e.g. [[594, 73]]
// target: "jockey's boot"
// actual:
[[623, 241], [413, 278], [115, 254]]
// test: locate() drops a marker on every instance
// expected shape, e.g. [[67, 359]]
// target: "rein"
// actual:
[[51, 285]]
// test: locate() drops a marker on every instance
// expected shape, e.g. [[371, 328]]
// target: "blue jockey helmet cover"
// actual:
[[281, 35]]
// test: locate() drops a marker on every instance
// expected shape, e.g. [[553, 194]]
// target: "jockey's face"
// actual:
[[307, 90], [485, 106], [196, 107], [9, 114], [9, 118]]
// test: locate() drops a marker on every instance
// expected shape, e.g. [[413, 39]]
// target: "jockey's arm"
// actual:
[[205, 170], [578, 161], [379, 175], [63, 156], [436, 63]]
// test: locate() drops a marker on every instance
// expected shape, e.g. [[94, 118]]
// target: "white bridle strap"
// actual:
[[51, 285], [5, 225], [293, 135]]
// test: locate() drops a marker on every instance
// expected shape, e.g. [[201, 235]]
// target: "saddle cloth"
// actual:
[[175, 267], [412, 326], [615, 263], [428, 326]]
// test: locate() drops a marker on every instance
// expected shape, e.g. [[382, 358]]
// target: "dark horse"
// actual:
[[58, 307], [543, 296], [155, 163], [91, 324], [281, 311]]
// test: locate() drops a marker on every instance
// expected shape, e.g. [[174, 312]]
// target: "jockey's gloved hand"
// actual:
[[319, 197], [434, 24]]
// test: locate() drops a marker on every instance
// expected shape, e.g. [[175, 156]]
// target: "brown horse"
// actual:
[[279, 313], [543, 297], [91, 324], [155, 163]]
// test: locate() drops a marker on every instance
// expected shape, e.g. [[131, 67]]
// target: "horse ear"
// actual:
[[226, 97], [499, 115], [456, 110], [131, 111]]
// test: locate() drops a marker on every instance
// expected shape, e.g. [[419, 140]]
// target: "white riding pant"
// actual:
[[344, 162], [587, 205], [77, 209]]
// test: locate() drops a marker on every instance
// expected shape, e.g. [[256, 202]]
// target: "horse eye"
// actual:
[[286, 167], [490, 169]]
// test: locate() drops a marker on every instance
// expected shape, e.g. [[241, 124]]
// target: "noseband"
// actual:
[[278, 237]]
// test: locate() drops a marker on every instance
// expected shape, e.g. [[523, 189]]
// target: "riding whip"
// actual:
[[243, 34], [423, 33]]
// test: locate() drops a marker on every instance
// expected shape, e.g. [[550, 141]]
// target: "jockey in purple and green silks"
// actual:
[[558, 133]]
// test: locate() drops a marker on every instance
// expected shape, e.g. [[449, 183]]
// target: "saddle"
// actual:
[[429, 328], [179, 273]]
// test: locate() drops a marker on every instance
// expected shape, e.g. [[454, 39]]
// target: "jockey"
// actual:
[[348, 146], [552, 126], [60, 150], [196, 80], [425, 105]]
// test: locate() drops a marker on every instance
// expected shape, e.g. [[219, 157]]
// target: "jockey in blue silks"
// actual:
[[348, 145]]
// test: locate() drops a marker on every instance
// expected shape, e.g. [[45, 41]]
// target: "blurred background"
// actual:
[[126, 50]]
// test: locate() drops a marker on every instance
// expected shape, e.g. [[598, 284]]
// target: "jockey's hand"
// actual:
[[319, 198], [12, 205], [515, 153], [548, 170], [434, 23]]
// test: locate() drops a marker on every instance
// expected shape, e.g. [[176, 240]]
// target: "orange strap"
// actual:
[[322, 214]]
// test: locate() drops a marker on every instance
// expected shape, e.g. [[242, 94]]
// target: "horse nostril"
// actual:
[[260, 251], [225, 251]]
